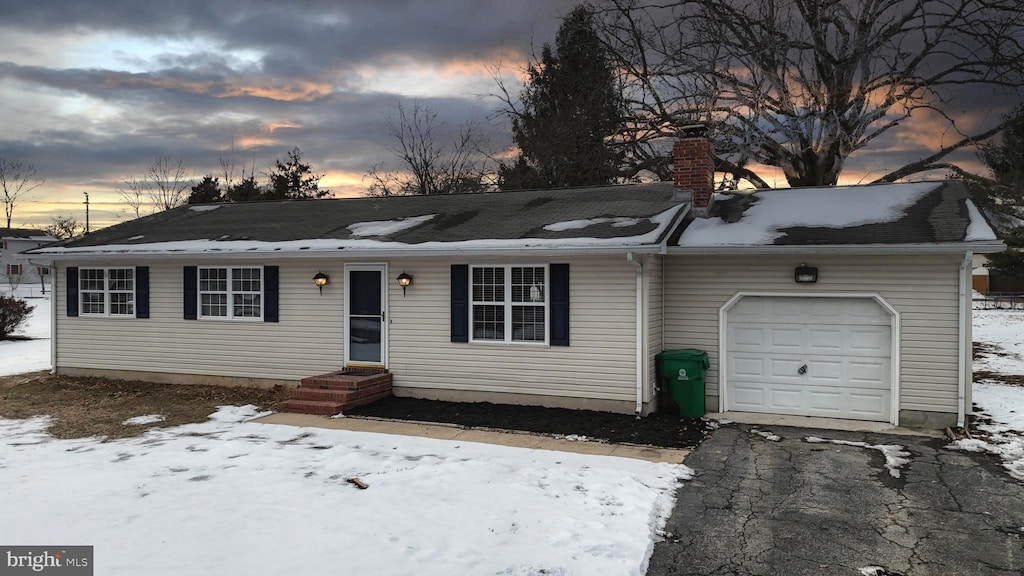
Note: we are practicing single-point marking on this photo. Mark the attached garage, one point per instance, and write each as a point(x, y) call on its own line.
point(827, 356)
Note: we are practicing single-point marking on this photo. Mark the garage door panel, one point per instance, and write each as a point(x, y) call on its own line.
point(845, 344)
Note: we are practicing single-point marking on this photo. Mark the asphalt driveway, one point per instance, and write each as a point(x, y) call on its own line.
point(793, 507)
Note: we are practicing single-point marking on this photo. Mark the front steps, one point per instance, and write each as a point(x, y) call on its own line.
point(329, 394)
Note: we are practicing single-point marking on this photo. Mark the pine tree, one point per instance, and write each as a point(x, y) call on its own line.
point(207, 191)
point(571, 106)
point(1004, 195)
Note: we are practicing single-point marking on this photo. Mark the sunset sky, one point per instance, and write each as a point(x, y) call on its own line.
point(93, 90)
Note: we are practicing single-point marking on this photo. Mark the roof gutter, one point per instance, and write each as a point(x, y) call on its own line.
point(874, 249)
point(343, 253)
point(639, 331)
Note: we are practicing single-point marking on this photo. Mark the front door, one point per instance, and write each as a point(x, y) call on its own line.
point(365, 309)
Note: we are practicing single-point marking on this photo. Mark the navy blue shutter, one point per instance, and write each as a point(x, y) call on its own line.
point(190, 292)
point(72, 291)
point(460, 303)
point(270, 293)
point(558, 309)
point(142, 291)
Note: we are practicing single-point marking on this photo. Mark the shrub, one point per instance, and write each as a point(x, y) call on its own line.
point(13, 313)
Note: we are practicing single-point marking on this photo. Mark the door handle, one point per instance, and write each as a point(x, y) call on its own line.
point(381, 315)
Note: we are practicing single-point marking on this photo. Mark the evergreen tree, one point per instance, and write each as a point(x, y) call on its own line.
point(571, 104)
point(207, 191)
point(294, 179)
point(1003, 196)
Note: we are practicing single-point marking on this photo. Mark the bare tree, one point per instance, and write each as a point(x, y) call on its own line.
point(64, 227)
point(803, 84)
point(16, 178)
point(428, 165)
point(165, 185)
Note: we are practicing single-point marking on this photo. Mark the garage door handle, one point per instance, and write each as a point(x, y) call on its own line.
point(802, 369)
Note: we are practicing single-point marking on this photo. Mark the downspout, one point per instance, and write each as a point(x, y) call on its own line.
point(639, 331)
point(963, 362)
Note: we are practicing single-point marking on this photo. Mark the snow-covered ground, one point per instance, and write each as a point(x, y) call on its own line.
point(18, 356)
point(236, 497)
point(1000, 402)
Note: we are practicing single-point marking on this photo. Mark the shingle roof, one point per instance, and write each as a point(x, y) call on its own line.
point(24, 233)
point(639, 214)
point(912, 213)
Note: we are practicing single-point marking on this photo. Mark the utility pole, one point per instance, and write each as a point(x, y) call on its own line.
point(86, 212)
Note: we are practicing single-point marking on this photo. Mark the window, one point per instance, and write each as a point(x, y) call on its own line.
point(107, 291)
point(230, 293)
point(14, 269)
point(43, 270)
point(509, 303)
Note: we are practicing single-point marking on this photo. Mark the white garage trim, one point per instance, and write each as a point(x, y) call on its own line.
point(723, 386)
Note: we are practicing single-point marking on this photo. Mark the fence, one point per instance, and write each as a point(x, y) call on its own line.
point(999, 301)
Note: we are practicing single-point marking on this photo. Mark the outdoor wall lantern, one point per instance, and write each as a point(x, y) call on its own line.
point(805, 274)
point(404, 280)
point(321, 280)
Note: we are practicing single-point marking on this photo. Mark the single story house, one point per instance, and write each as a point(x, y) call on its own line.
point(15, 269)
point(844, 302)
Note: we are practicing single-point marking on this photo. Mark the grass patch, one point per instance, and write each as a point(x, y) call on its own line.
point(84, 407)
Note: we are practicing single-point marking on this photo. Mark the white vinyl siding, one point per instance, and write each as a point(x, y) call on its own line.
point(307, 340)
point(600, 362)
point(653, 267)
point(923, 289)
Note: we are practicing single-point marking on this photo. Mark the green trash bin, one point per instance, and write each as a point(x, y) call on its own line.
point(683, 372)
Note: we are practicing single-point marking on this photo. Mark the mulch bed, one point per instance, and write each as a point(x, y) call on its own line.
point(662, 429)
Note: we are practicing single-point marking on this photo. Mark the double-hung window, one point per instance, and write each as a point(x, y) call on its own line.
point(233, 293)
point(509, 303)
point(107, 291)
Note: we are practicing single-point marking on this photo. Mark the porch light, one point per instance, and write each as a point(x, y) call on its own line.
point(805, 274)
point(404, 280)
point(321, 280)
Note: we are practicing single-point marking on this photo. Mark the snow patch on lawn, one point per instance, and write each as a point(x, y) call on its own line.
point(20, 356)
point(1003, 436)
point(433, 507)
point(1004, 330)
point(896, 456)
point(143, 420)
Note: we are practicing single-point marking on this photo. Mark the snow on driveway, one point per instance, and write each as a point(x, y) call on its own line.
point(235, 497)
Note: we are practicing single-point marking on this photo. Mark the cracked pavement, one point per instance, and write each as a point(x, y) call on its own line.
point(757, 507)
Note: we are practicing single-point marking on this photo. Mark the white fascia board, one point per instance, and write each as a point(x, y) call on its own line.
point(310, 254)
point(944, 248)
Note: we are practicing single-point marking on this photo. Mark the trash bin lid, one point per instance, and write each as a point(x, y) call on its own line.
point(684, 354)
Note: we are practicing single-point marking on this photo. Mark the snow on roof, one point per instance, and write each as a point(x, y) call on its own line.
point(833, 207)
point(978, 229)
point(581, 224)
point(660, 221)
point(386, 227)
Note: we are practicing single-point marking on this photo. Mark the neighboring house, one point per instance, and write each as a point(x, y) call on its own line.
point(15, 268)
point(845, 302)
point(979, 274)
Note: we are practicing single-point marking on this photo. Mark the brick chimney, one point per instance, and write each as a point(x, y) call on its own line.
point(693, 167)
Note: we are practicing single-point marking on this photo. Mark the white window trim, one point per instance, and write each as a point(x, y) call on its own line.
point(230, 295)
point(508, 305)
point(106, 292)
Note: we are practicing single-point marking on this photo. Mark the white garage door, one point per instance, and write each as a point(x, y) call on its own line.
point(809, 357)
